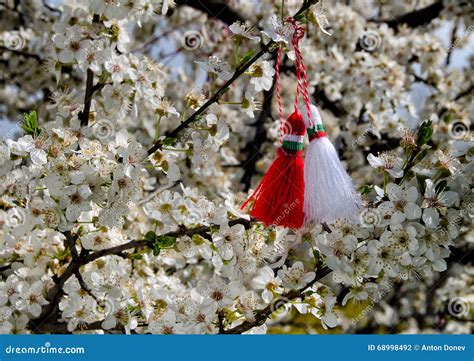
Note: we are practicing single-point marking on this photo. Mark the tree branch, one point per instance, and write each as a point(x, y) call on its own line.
point(416, 18)
point(464, 93)
point(56, 327)
point(5, 267)
point(468, 91)
point(216, 9)
point(84, 114)
point(453, 42)
point(22, 53)
point(78, 260)
point(240, 70)
point(83, 284)
point(263, 315)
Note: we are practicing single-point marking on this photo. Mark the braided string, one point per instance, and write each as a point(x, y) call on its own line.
point(278, 91)
point(301, 76)
point(302, 79)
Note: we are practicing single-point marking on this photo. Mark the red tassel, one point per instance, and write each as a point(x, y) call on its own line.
point(279, 198)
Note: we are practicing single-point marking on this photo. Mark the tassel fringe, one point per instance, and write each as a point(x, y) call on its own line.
point(279, 198)
point(329, 191)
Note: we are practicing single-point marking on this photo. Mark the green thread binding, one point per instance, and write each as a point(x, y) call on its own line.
point(316, 128)
point(292, 145)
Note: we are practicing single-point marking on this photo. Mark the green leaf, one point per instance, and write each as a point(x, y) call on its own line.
point(425, 133)
point(169, 141)
point(301, 17)
point(365, 189)
point(448, 117)
point(246, 57)
point(34, 119)
point(156, 250)
point(27, 129)
point(151, 236)
point(165, 241)
point(30, 125)
point(81, 230)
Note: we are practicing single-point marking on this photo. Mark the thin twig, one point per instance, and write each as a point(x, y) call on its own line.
point(22, 53)
point(263, 315)
point(5, 267)
point(417, 17)
point(83, 284)
point(453, 43)
point(56, 292)
point(240, 70)
point(84, 114)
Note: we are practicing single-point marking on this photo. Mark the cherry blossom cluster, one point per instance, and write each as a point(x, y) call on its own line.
point(98, 234)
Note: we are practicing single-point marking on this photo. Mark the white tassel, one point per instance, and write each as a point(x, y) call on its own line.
point(329, 191)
